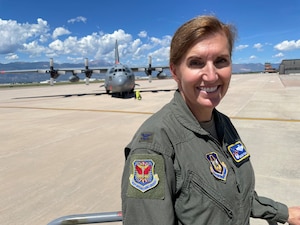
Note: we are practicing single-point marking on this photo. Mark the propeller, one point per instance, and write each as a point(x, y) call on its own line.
point(87, 71)
point(54, 73)
point(149, 70)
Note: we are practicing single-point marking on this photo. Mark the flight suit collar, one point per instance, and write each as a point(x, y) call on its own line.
point(184, 115)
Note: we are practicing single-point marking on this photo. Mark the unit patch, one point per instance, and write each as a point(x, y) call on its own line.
point(146, 177)
point(143, 177)
point(217, 168)
point(238, 152)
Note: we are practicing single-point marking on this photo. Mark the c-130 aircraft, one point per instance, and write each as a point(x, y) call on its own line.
point(119, 78)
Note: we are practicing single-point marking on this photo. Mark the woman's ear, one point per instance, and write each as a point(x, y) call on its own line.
point(174, 72)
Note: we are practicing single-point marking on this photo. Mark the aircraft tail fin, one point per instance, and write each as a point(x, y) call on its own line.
point(117, 59)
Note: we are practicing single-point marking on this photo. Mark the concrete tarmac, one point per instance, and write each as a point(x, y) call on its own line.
point(61, 147)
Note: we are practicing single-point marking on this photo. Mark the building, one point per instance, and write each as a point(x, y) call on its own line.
point(269, 68)
point(288, 66)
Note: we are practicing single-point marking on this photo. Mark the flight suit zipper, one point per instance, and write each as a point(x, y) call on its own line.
point(211, 195)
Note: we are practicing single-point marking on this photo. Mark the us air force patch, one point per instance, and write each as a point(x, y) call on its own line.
point(147, 177)
point(143, 177)
point(217, 168)
point(238, 152)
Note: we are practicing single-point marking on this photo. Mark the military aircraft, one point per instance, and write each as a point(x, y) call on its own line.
point(119, 78)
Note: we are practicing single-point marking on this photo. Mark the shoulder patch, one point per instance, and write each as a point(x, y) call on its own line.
point(143, 177)
point(147, 176)
point(238, 152)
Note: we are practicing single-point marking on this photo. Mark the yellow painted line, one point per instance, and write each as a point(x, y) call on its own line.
point(265, 119)
point(72, 109)
point(147, 113)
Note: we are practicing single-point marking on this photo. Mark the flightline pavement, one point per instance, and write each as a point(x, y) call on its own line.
point(62, 146)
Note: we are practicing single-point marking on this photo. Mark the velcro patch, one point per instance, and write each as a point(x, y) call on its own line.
point(238, 152)
point(147, 176)
point(217, 168)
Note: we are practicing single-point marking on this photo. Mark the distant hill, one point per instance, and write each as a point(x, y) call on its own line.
point(29, 78)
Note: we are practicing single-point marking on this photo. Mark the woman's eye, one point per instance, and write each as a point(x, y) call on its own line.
point(196, 63)
point(222, 62)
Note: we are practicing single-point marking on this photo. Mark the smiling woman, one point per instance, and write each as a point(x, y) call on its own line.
point(187, 164)
point(203, 75)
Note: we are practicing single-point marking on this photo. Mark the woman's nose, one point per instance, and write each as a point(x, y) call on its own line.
point(209, 73)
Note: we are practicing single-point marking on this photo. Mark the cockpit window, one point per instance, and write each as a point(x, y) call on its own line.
point(111, 70)
point(120, 69)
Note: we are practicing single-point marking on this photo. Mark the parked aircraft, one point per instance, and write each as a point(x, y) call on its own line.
point(119, 78)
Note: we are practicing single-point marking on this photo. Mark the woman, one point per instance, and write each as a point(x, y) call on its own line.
point(187, 164)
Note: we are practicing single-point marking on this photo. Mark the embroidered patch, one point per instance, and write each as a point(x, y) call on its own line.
point(217, 168)
point(143, 177)
point(153, 178)
point(146, 137)
point(238, 152)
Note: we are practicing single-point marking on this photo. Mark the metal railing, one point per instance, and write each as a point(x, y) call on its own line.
point(96, 218)
point(88, 218)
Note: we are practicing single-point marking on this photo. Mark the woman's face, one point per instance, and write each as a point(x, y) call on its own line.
point(204, 73)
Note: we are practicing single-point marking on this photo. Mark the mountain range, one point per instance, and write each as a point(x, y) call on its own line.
point(34, 77)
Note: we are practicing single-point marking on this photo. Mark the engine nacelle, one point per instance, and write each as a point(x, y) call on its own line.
point(74, 78)
point(161, 75)
point(54, 74)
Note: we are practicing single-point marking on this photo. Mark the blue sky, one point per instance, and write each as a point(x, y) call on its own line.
point(69, 31)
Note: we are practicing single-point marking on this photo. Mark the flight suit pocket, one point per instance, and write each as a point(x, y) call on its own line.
point(199, 203)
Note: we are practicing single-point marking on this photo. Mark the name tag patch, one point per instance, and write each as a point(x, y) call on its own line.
point(238, 152)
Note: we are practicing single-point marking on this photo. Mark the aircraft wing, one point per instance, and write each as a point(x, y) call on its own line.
point(80, 70)
point(148, 70)
point(155, 68)
point(19, 71)
point(54, 73)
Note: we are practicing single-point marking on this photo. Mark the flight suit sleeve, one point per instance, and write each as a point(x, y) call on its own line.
point(147, 184)
point(268, 209)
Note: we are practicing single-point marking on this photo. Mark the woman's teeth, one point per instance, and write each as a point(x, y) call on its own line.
point(208, 89)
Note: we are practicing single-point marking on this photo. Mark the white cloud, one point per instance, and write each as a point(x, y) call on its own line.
point(59, 31)
point(33, 48)
point(252, 57)
point(34, 41)
point(279, 55)
point(143, 34)
point(57, 45)
point(12, 57)
point(78, 19)
point(241, 47)
point(161, 55)
point(288, 45)
point(14, 35)
point(258, 46)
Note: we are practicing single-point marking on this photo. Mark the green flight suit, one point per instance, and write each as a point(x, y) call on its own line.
point(177, 173)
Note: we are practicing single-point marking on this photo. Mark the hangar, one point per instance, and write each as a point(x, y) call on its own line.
point(288, 66)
